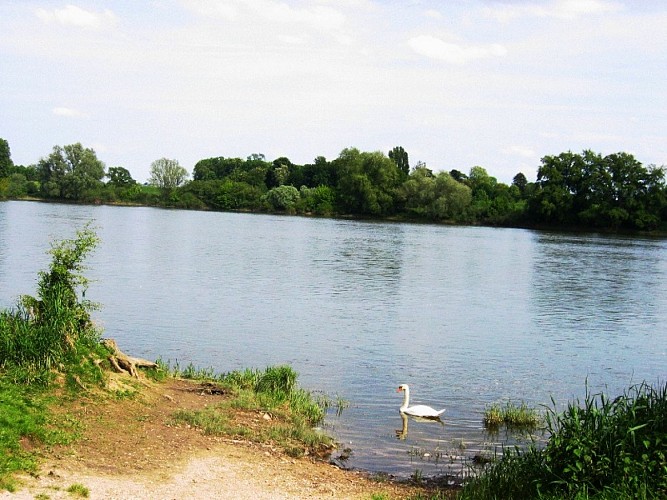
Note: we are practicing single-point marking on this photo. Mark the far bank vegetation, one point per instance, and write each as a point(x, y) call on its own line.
point(584, 190)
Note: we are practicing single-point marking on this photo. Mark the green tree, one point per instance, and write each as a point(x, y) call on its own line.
point(120, 177)
point(400, 157)
point(18, 186)
point(436, 197)
point(319, 173)
point(318, 200)
point(279, 172)
point(458, 176)
point(216, 168)
point(366, 182)
point(614, 191)
point(167, 174)
point(6, 163)
point(69, 172)
point(520, 182)
point(282, 198)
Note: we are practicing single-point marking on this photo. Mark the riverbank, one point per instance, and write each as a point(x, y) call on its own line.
point(131, 447)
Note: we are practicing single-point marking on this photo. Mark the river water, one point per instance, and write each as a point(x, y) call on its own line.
point(467, 316)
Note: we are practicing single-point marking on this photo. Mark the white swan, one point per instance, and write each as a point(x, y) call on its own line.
point(417, 410)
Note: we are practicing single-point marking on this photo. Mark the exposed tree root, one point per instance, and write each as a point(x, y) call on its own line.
point(122, 363)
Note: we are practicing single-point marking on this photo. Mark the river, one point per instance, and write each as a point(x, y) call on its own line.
point(467, 316)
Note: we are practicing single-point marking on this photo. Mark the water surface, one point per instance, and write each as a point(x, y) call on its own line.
point(467, 316)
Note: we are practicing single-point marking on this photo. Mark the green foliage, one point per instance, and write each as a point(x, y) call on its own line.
point(120, 177)
point(366, 182)
point(282, 198)
point(400, 157)
point(18, 186)
point(54, 330)
point(6, 163)
point(319, 200)
point(70, 172)
point(167, 174)
point(614, 191)
point(434, 197)
point(587, 190)
point(602, 448)
point(4, 185)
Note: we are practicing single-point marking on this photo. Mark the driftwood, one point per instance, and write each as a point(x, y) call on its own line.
point(122, 363)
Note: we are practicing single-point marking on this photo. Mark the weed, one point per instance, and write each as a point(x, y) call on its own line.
point(79, 489)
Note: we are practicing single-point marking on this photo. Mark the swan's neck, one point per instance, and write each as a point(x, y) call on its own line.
point(406, 398)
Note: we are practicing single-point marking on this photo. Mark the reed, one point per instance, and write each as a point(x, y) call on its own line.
point(601, 447)
point(512, 415)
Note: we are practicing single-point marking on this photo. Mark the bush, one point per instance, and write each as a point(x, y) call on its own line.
point(54, 330)
point(282, 198)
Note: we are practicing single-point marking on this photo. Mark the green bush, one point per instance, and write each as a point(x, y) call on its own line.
point(52, 331)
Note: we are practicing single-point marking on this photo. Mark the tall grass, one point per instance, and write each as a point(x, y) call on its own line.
point(601, 448)
point(512, 415)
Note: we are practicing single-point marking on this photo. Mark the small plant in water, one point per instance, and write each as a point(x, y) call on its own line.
point(514, 416)
point(417, 476)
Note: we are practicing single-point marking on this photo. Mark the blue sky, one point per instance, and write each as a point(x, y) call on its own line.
point(460, 83)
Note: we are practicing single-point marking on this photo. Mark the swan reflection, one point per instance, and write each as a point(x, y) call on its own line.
point(403, 432)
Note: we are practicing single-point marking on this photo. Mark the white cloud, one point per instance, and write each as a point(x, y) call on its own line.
point(561, 9)
point(435, 48)
point(209, 9)
point(71, 15)
point(291, 39)
point(433, 14)
point(521, 151)
point(68, 112)
point(317, 17)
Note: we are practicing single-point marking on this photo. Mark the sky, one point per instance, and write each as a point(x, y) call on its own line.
point(457, 83)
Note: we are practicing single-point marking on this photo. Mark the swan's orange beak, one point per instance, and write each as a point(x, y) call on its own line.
point(399, 389)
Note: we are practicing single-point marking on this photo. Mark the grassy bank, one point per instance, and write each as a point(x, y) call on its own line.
point(294, 412)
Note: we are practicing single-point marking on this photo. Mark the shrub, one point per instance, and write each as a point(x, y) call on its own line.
point(54, 330)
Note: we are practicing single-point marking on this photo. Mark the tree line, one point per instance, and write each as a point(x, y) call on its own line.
point(574, 190)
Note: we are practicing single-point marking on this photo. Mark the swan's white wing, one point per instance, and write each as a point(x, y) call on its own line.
point(423, 411)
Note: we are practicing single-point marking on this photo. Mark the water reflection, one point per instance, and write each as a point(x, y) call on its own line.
point(402, 433)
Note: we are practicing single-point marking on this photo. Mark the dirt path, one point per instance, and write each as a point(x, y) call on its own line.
point(130, 448)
